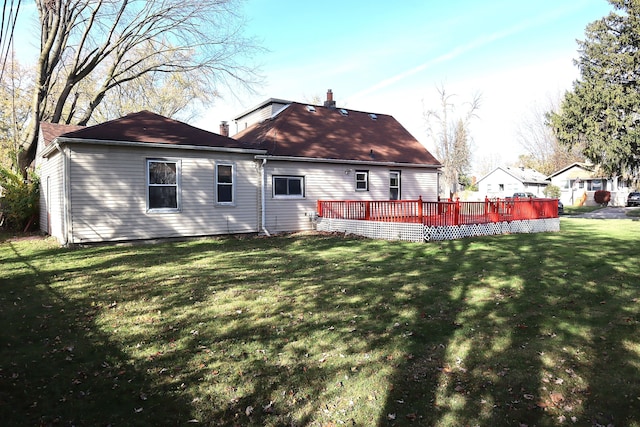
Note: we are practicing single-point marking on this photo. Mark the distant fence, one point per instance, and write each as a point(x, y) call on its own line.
point(419, 220)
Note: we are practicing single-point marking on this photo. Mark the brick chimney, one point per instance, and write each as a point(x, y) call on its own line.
point(330, 103)
point(224, 128)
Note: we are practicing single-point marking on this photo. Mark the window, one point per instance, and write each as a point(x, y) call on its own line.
point(362, 180)
point(288, 186)
point(225, 177)
point(163, 185)
point(394, 185)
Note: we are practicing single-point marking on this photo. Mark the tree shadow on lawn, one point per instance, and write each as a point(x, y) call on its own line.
point(56, 366)
point(544, 333)
point(295, 331)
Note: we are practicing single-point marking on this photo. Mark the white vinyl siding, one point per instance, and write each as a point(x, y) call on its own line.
point(51, 171)
point(326, 181)
point(109, 185)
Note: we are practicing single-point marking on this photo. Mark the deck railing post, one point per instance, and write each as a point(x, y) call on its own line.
point(420, 210)
point(367, 210)
point(319, 208)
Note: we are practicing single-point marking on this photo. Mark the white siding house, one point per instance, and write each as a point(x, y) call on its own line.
point(145, 176)
point(107, 190)
point(578, 183)
point(505, 181)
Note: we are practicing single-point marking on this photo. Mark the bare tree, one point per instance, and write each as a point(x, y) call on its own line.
point(121, 41)
point(452, 139)
point(544, 151)
point(16, 82)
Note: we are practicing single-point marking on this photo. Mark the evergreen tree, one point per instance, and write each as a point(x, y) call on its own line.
point(602, 112)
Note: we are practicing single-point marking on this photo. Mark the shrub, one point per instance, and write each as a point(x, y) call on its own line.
point(20, 199)
point(602, 197)
point(552, 191)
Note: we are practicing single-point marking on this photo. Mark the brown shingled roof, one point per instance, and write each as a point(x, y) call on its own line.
point(51, 131)
point(326, 133)
point(148, 127)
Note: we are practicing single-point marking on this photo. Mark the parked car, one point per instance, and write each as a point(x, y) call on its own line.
point(560, 207)
point(633, 199)
point(523, 195)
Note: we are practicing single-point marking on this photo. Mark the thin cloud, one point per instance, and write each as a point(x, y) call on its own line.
point(461, 50)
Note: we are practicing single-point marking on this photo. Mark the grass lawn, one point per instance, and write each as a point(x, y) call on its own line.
point(514, 330)
point(577, 210)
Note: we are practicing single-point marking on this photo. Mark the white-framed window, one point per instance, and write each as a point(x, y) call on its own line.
point(291, 187)
point(163, 185)
point(362, 180)
point(394, 185)
point(225, 184)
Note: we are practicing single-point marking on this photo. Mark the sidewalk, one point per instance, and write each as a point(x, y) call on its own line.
point(610, 212)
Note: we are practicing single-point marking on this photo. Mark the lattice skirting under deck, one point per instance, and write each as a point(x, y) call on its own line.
point(422, 233)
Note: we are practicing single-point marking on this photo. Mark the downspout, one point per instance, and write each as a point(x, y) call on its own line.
point(263, 198)
point(66, 182)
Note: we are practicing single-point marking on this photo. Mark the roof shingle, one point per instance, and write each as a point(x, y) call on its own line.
point(148, 127)
point(326, 133)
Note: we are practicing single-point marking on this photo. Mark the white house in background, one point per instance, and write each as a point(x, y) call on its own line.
point(505, 181)
point(145, 176)
point(578, 183)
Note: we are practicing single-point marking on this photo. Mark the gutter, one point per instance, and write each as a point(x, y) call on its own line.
point(350, 162)
point(263, 198)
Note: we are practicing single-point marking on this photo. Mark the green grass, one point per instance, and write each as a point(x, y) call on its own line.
point(536, 329)
point(577, 210)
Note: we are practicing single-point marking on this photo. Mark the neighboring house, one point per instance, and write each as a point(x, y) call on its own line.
point(578, 183)
point(505, 181)
point(145, 176)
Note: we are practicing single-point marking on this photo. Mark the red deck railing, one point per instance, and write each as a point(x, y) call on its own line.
point(439, 213)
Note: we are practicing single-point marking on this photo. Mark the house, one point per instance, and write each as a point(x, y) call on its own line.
point(505, 181)
point(145, 176)
point(578, 183)
point(328, 153)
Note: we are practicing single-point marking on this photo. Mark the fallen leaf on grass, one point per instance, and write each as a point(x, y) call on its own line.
point(556, 398)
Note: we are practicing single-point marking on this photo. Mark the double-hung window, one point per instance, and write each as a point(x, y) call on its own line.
point(362, 180)
point(163, 185)
point(288, 187)
point(394, 185)
point(225, 184)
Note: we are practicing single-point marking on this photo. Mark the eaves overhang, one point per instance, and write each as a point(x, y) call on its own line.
point(63, 140)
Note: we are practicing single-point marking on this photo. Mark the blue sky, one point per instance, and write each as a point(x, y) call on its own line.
point(390, 57)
